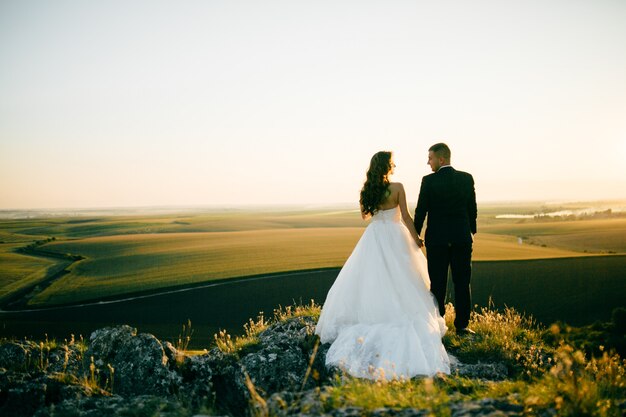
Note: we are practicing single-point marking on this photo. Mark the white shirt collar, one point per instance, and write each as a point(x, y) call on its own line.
point(445, 166)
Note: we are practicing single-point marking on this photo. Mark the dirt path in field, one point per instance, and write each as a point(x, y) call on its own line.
point(18, 300)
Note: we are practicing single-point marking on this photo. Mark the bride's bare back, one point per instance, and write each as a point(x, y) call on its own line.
point(397, 197)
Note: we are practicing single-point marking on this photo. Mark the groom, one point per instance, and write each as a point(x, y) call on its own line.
point(449, 199)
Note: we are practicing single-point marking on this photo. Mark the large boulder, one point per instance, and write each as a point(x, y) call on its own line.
point(140, 365)
point(287, 348)
point(197, 386)
point(277, 362)
point(228, 382)
point(14, 355)
point(65, 358)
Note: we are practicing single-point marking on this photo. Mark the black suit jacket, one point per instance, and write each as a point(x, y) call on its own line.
point(449, 198)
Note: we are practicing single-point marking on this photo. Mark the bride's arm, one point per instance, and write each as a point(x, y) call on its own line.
point(406, 217)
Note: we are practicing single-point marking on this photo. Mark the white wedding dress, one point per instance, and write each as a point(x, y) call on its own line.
point(379, 313)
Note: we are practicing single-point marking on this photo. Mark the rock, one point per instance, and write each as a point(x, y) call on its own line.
point(13, 356)
point(347, 412)
point(28, 356)
point(171, 353)
point(288, 332)
point(116, 406)
point(286, 350)
point(140, 365)
point(278, 362)
point(486, 407)
point(228, 382)
point(22, 394)
point(265, 365)
point(65, 359)
point(288, 403)
point(197, 386)
point(400, 412)
point(486, 371)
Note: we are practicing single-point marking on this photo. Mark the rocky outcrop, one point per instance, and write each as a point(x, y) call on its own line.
point(196, 386)
point(278, 362)
point(134, 364)
point(139, 369)
point(125, 373)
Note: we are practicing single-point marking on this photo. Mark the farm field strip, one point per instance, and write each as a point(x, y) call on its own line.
point(551, 227)
point(204, 222)
point(130, 263)
point(599, 236)
point(121, 264)
point(130, 254)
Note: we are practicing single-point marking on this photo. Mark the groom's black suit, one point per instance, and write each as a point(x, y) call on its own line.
point(449, 198)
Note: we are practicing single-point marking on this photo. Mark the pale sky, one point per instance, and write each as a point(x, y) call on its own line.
point(138, 103)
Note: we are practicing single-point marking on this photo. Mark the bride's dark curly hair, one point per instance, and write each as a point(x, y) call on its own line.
point(374, 190)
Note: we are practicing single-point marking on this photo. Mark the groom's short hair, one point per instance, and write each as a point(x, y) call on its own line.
point(441, 150)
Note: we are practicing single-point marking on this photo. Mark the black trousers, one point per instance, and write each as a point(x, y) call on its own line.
point(457, 257)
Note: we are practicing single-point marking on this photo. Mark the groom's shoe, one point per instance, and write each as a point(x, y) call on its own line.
point(465, 332)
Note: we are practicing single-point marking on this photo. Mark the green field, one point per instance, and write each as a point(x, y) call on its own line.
point(134, 253)
point(130, 263)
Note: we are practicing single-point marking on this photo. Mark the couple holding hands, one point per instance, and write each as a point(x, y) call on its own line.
point(384, 312)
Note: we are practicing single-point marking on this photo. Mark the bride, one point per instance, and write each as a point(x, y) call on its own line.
point(379, 313)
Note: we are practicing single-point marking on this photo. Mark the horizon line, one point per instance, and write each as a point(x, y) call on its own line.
point(293, 205)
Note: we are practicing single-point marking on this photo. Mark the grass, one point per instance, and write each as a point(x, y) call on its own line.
point(502, 336)
point(559, 378)
point(572, 386)
point(38, 358)
point(595, 338)
point(420, 394)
